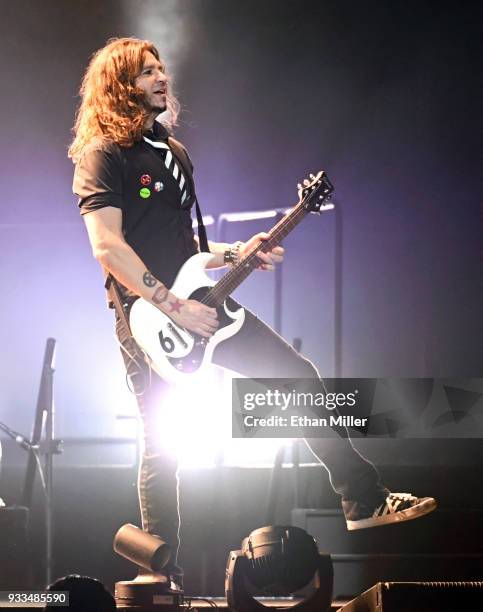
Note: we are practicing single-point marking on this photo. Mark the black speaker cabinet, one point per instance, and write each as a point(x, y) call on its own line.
point(15, 556)
point(419, 597)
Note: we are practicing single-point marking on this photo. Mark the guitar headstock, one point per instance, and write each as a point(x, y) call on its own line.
point(315, 191)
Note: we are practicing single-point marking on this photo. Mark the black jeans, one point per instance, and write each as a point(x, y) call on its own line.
point(256, 351)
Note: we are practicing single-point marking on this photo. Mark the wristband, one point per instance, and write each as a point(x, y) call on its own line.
point(232, 255)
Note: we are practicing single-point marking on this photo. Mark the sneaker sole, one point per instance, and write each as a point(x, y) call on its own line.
point(425, 507)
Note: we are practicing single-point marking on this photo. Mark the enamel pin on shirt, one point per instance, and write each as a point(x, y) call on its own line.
point(172, 165)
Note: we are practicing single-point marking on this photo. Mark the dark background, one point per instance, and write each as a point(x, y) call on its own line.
point(386, 97)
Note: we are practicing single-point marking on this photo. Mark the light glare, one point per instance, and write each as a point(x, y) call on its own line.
point(195, 425)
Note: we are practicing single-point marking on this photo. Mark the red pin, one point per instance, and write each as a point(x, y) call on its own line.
point(145, 179)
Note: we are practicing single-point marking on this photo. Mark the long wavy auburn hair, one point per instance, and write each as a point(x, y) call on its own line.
point(112, 107)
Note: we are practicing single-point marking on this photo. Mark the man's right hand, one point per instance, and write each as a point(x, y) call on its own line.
point(195, 317)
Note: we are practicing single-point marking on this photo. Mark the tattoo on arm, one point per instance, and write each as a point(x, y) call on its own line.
point(148, 279)
point(175, 306)
point(160, 295)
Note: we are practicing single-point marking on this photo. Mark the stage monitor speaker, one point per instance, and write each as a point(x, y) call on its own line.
point(419, 597)
point(15, 555)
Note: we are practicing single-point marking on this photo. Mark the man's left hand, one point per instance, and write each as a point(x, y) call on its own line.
point(267, 259)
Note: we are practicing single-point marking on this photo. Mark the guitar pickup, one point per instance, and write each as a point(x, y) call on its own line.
point(177, 335)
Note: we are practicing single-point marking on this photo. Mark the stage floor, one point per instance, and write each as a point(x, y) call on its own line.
point(269, 602)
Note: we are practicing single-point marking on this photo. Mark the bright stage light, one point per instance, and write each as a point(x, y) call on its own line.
point(195, 425)
point(192, 420)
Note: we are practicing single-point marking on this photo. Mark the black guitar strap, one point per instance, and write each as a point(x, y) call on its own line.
point(134, 357)
point(115, 297)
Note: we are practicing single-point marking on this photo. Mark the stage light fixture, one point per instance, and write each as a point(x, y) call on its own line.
point(278, 560)
point(151, 587)
point(142, 548)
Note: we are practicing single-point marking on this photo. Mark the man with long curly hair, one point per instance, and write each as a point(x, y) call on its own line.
point(136, 192)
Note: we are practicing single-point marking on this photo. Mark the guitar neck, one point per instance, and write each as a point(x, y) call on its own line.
point(232, 279)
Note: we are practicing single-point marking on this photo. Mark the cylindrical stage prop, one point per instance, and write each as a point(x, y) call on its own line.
point(142, 548)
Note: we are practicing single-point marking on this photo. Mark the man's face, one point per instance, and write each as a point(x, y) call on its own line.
point(153, 82)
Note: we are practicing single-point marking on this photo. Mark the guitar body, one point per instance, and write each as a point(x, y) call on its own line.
point(175, 353)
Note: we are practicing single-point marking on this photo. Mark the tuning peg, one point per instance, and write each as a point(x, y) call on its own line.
point(306, 182)
point(299, 185)
point(312, 176)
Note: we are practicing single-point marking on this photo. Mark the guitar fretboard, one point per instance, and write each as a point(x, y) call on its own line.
point(232, 279)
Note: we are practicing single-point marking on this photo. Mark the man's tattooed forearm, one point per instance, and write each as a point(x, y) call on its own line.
point(160, 295)
point(148, 279)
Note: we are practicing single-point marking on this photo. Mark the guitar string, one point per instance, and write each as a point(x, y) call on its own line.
point(247, 262)
point(275, 235)
point(286, 222)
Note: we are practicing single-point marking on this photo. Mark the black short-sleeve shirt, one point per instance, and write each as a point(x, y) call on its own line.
point(137, 181)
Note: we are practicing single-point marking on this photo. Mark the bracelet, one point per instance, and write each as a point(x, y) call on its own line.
point(232, 255)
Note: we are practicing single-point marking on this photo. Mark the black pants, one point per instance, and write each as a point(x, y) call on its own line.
point(256, 351)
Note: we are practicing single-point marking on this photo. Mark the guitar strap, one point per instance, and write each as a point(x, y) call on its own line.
point(115, 297)
point(133, 354)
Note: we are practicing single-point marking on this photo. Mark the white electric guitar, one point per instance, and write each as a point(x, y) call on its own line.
point(176, 353)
